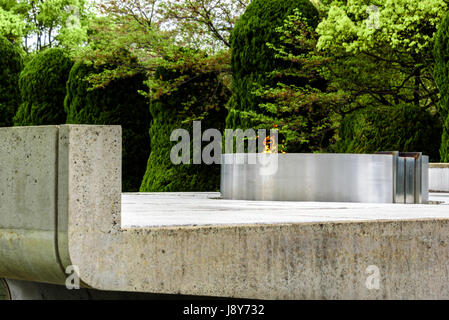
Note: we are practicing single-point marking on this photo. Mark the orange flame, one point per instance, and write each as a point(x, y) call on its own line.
point(270, 145)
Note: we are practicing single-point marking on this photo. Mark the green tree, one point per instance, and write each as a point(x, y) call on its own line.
point(117, 103)
point(382, 52)
point(205, 24)
point(252, 59)
point(297, 99)
point(201, 98)
point(385, 128)
point(441, 52)
point(383, 49)
point(12, 25)
point(137, 26)
point(199, 24)
point(43, 24)
point(42, 85)
point(184, 85)
point(10, 67)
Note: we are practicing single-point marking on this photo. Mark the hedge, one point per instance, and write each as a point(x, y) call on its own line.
point(203, 95)
point(404, 128)
point(11, 64)
point(42, 86)
point(119, 103)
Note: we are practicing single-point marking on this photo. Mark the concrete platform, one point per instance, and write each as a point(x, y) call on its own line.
point(61, 205)
point(146, 210)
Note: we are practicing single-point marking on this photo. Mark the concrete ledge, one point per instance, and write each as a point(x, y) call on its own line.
point(79, 223)
point(439, 177)
point(439, 165)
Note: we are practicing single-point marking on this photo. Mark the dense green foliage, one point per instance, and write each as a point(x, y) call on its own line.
point(382, 52)
point(10, 66)
point(252, 59)
point(43, 24)
point(357, 76)
point(118, 103)
point(383, 49)
point(42, 86)
point(202, 97)
point(298, 101)
point(441, 75)
point(404, 128)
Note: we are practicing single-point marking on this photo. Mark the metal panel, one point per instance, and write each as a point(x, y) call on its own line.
point(312, 177)
point(409, 180)
point(425, 179)
point(226, 176)
point(417, 177)
point(400, 180)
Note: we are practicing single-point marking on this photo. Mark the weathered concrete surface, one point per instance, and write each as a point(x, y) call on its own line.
point(326, 260)
point(27, 290)
point(4, 290)
point(325, 254)
point(28, 180)
point(439, 177)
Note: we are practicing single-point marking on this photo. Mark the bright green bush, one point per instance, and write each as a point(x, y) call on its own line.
point(202, 95)
point(252, 59)
point(42, 86)
point(119, 103)
point(11, 65)
point(441, 76)
point(404, 128)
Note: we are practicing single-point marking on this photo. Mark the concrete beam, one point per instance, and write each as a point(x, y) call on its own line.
point(296, 251)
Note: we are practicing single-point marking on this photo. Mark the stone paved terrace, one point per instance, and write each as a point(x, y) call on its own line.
point(145, 210)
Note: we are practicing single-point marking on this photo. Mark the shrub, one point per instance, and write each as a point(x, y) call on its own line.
point(252, 59)
point(118, 103)
point(11, 65)
point(42, 86)
point(404, 128)
point(201, 97)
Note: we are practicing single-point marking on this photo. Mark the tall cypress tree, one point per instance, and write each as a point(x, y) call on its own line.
point(42, 86)
point(118, 103)
point(11, 65)
point(441, 75)
point(203, 94)
point(252, 59)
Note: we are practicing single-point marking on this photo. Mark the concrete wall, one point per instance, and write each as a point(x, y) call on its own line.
point(439, 177)
point(27, 290)
point(60, 190)
point(34, 192)
point(278, 261)
point(28, 213)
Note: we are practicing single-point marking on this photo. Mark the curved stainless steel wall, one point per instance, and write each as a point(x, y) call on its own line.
point(367, 178)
